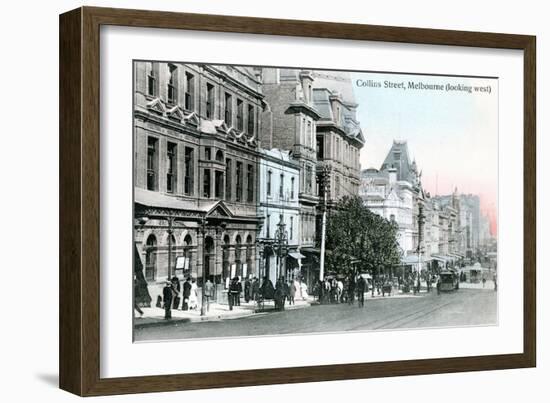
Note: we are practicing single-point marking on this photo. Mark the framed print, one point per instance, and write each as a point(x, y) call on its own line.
point(273, 201)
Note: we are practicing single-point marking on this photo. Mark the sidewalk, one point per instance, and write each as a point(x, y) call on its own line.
point(155, 316)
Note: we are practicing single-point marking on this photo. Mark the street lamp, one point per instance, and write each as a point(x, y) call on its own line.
point(282, 241)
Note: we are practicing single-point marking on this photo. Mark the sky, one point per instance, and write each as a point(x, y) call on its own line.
point(451, 133)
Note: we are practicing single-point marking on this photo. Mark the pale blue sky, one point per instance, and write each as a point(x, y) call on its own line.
point(453, 135)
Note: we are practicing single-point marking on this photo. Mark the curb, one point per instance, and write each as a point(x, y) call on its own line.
point(217, 318)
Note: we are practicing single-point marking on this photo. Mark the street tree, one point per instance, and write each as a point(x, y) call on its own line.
point(357, 236)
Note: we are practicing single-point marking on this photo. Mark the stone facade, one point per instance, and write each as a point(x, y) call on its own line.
point(289, 94)
point(195, 169)
point(279, 238)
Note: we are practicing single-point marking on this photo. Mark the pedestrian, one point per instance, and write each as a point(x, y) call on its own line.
point(483, 280)
point(167, 299)
point(255, 289)
point(238, 296)
point(186, 294)
point(194, 295)
point(351, 291)
point(495, 281)
point(361, 285)
point(176, 289)
point(340, 291)
point(267, 290)
point(233, 292)
point(208, 293)
point(136, 291)
point(279, 296)
point(438, 285)
point(247, 287)
point(291, 292)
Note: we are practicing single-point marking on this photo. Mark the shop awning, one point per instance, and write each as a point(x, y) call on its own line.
point(296, 255)
point(311, 250)
point(443, 258)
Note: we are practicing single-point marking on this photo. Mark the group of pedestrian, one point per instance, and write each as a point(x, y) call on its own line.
point(175, 293)
point(335, 291)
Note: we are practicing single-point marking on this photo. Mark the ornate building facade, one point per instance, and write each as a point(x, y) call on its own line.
point(339, 137)
point(195, 170)
point(279, 238)
point(289, 94)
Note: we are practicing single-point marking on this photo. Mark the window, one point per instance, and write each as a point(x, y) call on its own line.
point(309, 140)
point(240, 123)
point(189, 91)
point(152, 149)
point(291, 228)
point(207, 153)
point(219, 156)
point(309, 179)
point(239, 193)
point(292, 187)
point(250, 183)
point(206, 183)
point(189, 171)
point(228, 175)
point(320, 148)
point(269, 183)
point(172, 89)
point(250, 119)
point(219, 184)
point(281, 186)
point(337, 186)
point(268, 226)
point(209, 101)
point(171, 170)
point(151, 80)
point(151, 258)
point(228, 109)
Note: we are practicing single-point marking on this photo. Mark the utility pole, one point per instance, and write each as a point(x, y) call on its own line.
point(421, 218)
point(324, 223)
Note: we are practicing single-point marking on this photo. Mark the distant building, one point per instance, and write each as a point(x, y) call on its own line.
point(392, 193)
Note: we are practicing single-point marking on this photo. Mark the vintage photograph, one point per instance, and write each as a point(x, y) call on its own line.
point(277, 201)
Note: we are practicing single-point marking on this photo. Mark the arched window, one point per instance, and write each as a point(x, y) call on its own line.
point(219, 156)
point(187, 243)
point(249, 255)
point(151, 258)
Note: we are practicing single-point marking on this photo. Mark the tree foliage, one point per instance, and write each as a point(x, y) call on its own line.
point(354, 233)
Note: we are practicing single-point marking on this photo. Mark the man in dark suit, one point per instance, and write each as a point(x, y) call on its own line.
point(186, 294)
point(167, 299)
point(361, 285)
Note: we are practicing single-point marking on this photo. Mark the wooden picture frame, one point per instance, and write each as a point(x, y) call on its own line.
point(79, 348)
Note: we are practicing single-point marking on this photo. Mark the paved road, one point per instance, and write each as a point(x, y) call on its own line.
point(465, 307)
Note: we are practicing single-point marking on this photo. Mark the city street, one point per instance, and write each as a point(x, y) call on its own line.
point(465, 307)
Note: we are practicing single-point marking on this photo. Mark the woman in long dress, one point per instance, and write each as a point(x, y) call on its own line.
point(193, 297)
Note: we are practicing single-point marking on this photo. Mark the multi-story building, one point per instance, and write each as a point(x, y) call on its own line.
point(195, 170)
point(393, 193)
point(293, 118)
point(339, 137)
point(279, 238)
